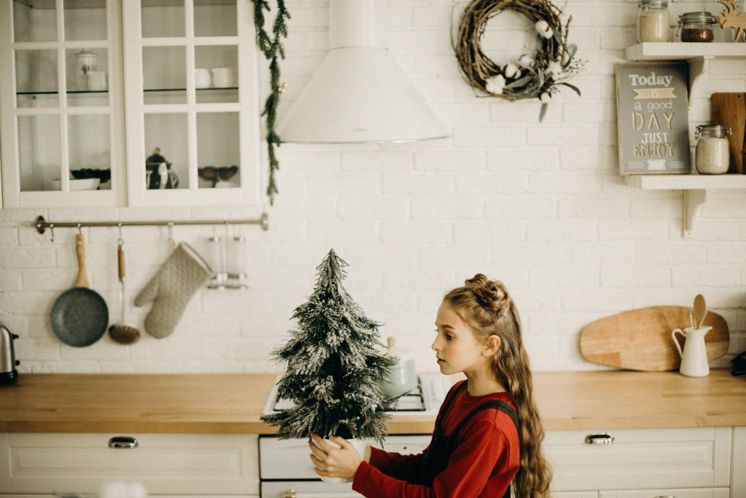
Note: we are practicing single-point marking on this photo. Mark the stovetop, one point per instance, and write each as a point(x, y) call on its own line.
point(424, 400)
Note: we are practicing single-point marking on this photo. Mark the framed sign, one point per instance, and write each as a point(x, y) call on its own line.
point(653, 117)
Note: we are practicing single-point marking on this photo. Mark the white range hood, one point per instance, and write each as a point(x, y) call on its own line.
point(359, 93)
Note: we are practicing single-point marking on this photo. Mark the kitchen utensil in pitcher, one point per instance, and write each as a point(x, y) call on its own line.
point(80, 315)
point(123, 333)
point(700, 310)
point(694, 361)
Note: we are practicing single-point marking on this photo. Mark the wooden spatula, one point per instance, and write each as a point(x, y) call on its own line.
point(699, 310)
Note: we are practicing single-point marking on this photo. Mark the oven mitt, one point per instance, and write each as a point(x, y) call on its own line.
point(171, 289)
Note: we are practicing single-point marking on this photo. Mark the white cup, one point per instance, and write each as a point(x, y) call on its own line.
point(222, 77)
point(202, 78)
point(97, 81)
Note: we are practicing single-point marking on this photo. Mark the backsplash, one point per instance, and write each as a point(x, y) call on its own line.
point(540, 206)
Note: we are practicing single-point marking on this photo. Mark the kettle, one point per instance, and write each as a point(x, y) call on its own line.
point(8, 362)
point(402, 377)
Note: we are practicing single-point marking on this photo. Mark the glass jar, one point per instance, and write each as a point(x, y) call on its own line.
point(653, 21)
point(712, 149)
point(696, 27)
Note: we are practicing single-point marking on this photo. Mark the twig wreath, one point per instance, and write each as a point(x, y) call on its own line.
point(530, 77)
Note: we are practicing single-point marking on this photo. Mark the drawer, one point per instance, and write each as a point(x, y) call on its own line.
point(640, 459)
point(676, 493)
point(173, 464)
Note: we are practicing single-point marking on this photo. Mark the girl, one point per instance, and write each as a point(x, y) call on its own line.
point(488, 432)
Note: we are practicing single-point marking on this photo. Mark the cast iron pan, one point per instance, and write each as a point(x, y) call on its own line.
point(80, 315)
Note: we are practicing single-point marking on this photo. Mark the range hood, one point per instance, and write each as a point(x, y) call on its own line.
point(359, 93)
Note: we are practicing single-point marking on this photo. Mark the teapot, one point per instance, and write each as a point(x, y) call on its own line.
point(694, 361)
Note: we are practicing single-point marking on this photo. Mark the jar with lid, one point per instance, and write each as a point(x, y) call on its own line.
point(712, 149)
point(653, 21)
point(696, 27)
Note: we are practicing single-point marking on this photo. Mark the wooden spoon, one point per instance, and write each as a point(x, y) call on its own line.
point(700, 310)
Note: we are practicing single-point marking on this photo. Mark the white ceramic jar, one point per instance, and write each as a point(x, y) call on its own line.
point(712, 149)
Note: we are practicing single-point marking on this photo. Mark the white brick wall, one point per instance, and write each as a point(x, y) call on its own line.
point(539, 206)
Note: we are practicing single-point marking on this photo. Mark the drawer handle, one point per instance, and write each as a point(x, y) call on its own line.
point(599, 438)
point(292, 494)
point(122, 442)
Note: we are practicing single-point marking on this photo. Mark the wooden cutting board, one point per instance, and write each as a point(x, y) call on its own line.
point(641, 339)
point(729, 109)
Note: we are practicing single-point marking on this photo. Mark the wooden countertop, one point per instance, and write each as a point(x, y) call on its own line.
point(232, 404)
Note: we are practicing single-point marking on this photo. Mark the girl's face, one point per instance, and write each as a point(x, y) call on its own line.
point(456, 346)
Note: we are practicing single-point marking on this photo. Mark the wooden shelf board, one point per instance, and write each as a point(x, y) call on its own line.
point(687, 182)
point(684, 51)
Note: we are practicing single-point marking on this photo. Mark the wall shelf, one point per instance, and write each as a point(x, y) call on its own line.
point(695, 189)
point(697, 55)
point(673, 51)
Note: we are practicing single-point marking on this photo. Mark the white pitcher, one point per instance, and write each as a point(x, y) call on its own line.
point(694, 357)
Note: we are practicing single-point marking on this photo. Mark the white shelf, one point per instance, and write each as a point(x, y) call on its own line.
point(672, 51)
point(687, 182)
point(695, 189)
point(697, 55)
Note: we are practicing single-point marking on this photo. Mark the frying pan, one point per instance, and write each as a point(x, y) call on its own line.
point(80, 315)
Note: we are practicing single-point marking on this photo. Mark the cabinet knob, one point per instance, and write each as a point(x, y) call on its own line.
point(289, 494)
point(123, 442)
point(600, 438)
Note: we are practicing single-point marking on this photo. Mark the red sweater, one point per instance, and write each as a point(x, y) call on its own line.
point(483, 463)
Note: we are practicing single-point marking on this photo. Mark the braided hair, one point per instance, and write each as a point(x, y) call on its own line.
point(488, 308)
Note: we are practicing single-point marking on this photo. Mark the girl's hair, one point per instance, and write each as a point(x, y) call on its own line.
point(488, 309)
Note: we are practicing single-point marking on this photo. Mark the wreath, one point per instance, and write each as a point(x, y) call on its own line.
point(531, 76)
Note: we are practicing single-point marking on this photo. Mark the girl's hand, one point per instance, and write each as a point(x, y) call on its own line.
point(334, 462)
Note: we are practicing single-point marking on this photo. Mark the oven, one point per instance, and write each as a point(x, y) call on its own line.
point(286, 470)
point(285, 467)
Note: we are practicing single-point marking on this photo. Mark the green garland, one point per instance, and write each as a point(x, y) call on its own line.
point(273, 50)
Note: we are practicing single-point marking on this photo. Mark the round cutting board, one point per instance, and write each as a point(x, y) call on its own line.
point(641, 339)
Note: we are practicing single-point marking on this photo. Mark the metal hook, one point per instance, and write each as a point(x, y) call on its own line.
point(120, 242)
point(51, 231)
point(80, 230)
point(171, 234)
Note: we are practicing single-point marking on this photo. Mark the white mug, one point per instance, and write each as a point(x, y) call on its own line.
point(97, 81)
point(202, 78)
point(222, 77)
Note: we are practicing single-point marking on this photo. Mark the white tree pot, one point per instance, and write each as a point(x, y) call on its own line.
point(359, 445)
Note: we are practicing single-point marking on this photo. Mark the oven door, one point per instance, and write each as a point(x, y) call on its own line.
point(286, 470)
point(307, 489)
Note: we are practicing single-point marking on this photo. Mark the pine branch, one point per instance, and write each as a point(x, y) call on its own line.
point(273, 51)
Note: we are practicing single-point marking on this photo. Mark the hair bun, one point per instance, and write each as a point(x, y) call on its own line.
point(491, 294)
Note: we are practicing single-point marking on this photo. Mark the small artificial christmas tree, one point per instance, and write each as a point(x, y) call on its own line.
point(333, 367)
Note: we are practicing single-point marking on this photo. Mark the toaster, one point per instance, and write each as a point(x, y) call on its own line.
point(8, 362)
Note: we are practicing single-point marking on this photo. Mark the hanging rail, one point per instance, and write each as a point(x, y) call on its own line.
point(42, 224)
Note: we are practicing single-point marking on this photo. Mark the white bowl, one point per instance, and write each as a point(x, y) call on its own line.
point(81, 184)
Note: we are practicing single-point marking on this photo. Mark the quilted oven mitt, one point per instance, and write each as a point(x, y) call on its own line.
point(171, 289)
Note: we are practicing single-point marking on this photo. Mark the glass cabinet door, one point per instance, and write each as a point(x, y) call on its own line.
point(62, 112)
point(192, 108)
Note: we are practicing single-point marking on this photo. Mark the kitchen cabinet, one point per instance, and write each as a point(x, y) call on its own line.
point(675, 493)
point(695, 186)
point(738, 486)
point(189, 87)
point(186, 464)
point(191, 93)
point(59, 135)
point(640, 463)
point(640, 459)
